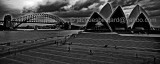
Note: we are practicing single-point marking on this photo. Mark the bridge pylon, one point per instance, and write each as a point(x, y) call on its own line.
point(7, 22)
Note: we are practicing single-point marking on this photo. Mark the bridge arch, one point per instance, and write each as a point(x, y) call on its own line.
point(28, 18)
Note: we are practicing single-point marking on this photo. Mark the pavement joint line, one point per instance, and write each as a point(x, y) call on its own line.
point(140, 35)
point(94, 55)
point(117, 40)
point(16, 60)
point(140, 48)
point(95, 49)
point(137, 48)
point(43, 58)
point(97, 52)
point(121, 49)
point(69, 57)
point(126, 47)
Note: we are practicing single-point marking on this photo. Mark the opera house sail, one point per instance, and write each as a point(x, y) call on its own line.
point(118, 20)
point(106, 11)
point(138, 20)
point(97, 23)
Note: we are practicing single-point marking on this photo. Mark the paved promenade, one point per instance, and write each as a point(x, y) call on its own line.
point(88, 48)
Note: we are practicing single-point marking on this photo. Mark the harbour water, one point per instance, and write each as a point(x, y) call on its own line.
point(11, 36)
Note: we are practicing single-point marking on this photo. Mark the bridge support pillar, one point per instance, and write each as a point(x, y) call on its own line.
point(7, 22)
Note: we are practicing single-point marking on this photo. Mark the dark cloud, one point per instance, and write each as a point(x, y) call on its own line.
point(152, 7)
point(85, 4)
point(154, 13)
point(123, 3)
point(57, 6)
point(149, 5)
point(3, 11)
point(86, 13)
point(157, 22)
point(155, 7)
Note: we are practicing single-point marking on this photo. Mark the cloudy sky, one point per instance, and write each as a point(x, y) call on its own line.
point(67, 8)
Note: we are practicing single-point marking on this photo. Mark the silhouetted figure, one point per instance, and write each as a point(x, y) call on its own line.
point(136, 55)
point(24, 41)
point(90, 52)
point(70, 43)
point(106, 46)
point(154, 60)
point(56, 42)
point(69, 49)
point(65, 40)
point(116, 47)
point(69, 25)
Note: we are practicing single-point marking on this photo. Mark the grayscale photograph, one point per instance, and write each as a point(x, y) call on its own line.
point(79, 31)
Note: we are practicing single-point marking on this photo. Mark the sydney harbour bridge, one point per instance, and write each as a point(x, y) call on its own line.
point(9, 23)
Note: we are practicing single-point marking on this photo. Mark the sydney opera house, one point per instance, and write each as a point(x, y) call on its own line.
point(115, 20)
